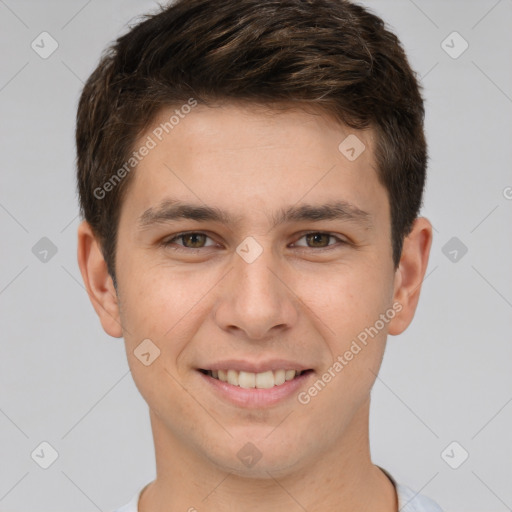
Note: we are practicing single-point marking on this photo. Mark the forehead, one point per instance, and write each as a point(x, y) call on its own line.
point(233, 122)
point(247, 157)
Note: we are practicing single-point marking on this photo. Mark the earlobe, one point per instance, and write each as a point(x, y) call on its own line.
point(410, 273)
point(98, 282)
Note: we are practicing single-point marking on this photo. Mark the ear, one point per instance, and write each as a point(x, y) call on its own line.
point(97, 280)
point(410, 274)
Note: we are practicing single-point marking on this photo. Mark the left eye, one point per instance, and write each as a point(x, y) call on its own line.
point(197, 240)
point(319, 240)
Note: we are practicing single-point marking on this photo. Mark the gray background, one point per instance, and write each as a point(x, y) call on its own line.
point(448, 378)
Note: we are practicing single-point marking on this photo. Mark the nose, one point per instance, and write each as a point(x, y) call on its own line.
point(256, 301)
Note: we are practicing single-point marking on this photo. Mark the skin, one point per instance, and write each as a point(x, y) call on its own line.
point(301, 299)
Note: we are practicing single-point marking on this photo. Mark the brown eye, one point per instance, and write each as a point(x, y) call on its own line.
point(192, 240)
point(318, 239)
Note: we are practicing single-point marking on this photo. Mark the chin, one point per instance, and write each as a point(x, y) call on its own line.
point(259, 457)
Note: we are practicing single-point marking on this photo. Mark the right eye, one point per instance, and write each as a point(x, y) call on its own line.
point(190, 240)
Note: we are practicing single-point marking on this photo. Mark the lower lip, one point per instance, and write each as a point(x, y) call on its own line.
point(254, 397)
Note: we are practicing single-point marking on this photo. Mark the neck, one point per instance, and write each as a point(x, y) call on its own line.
point(342, 479)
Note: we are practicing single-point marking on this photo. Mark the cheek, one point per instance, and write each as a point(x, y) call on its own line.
point(154, 296)
point(346, 300)
point(167, 307)
point(160, 387)
point(348, 307)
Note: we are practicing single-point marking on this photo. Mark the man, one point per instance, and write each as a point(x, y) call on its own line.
point(250, 174)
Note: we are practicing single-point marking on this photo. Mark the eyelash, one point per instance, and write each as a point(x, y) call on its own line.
point(169, 242)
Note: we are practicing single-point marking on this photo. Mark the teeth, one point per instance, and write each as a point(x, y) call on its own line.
point(265, 380)
point(289, 375)
point(279, 377)
point(246, 379)
point(249, 380)
point(233, 377)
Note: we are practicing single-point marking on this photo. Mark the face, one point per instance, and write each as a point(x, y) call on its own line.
point(250, 246)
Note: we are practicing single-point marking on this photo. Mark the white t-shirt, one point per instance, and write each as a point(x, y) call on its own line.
point(408, 500)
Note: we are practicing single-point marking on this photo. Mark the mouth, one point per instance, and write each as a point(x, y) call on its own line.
point(249, 380)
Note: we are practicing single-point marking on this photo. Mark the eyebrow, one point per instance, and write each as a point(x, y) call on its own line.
point(173, 209)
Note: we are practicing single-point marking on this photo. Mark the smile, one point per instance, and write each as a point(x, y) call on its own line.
point(250, 380)
point(255, 384)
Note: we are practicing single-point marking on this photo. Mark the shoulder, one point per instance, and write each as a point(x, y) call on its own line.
point(132, 506)
point(410, 501)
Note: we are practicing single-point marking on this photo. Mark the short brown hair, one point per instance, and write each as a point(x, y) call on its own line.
point(333, 55)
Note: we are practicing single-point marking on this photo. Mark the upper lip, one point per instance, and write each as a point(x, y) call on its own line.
point(255, 367)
